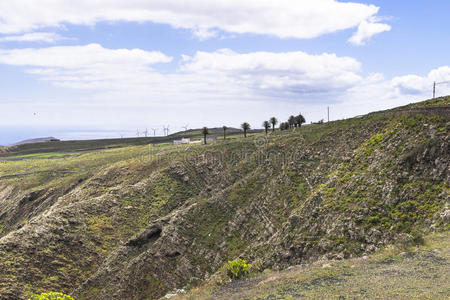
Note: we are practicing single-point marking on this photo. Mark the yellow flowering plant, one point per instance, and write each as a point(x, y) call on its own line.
point(51, 296)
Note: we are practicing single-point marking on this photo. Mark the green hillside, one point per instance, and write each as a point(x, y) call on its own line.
point(137, 221)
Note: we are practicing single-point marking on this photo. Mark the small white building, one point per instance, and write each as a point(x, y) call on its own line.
point(183, 141)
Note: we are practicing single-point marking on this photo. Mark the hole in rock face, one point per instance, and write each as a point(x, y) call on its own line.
point(150, 235)
point(153, 234)
point(173, 254)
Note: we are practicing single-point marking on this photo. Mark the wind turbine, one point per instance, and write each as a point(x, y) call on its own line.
point(154, 131)
point(145, 132)
point(137, 132)
point(166, 130)
point(185, 127)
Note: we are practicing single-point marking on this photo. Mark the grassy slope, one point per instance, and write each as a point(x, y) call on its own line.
point(64, 221)
point(393, 273)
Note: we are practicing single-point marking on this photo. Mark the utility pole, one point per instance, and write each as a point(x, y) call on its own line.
point(437, 83)
point(434, 89)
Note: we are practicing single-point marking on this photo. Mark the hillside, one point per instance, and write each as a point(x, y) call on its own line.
point(138, 221)
point(38, 146)
point(397, 272)
point(37, 140)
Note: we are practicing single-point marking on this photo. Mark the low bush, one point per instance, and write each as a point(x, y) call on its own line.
point(51, 296)
point(413, 239)
point(237, 268)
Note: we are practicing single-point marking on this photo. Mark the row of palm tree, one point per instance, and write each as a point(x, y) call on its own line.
point(293, 121)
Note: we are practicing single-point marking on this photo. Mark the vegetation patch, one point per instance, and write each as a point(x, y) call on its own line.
point(51, 296)
point(237, 269)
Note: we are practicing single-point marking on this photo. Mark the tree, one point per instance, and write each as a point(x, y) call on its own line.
point(245, 126)
point(205, 132)
point(284, 126)
point(299, 120)
point(274, 122)
point(291, 121)
point(224, 131)
point(266, 125)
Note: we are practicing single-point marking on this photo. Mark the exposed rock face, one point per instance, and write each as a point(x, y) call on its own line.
point(139, 228)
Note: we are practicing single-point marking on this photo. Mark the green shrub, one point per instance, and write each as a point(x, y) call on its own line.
point(237, 268)
point(374, 220)
point(51, 296)
point(417, 238)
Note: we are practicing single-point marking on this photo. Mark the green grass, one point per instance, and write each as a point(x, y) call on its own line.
point(41, 155)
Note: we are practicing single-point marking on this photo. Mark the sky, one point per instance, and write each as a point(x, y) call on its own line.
point(109, 68)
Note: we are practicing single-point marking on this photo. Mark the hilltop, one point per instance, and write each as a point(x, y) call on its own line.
point(137, 221)
point(36, 140)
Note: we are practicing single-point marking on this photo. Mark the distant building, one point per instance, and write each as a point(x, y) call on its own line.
point(182, 141)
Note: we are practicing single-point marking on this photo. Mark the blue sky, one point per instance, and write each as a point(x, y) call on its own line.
point(95, 70)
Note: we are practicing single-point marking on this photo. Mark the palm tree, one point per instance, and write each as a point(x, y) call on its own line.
point(291, 121)
point(205, 132)
point(266, 126)
point(274, 122)
point(245, 126)
point(224, 131)
point(299, 120)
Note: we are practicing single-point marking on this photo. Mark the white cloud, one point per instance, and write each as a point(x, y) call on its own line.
point(282, 73)
point(366, 30)
point(90, 66)
point(418, 85)
point(73, 57)
point(281, 18)
point(47, 37)
point(258, 73)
